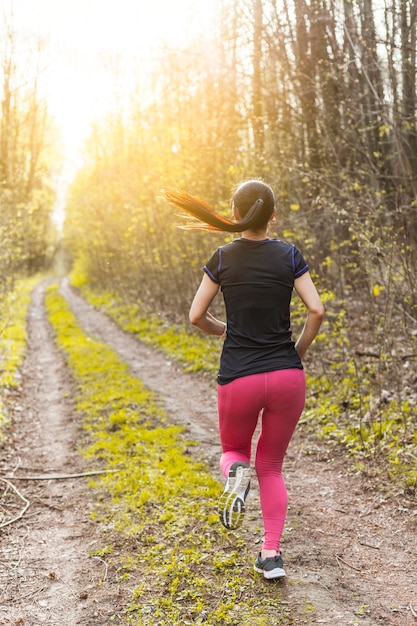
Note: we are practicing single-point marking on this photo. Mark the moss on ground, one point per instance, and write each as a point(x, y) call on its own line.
point(13, 339)
point(344, 403)
point(196, 352)
point(157, 510)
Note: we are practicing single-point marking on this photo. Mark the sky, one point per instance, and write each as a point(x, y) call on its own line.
point(83, 36)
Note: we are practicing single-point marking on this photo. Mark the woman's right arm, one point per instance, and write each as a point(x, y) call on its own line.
point(199, 314)
point(305, 288)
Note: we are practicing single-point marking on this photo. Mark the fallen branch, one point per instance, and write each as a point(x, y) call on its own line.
point(377, 355)
point(60, 476)
point(105, 567)
point(29, 594)
point(369, 545)
point(339, 558)
point(25, 500)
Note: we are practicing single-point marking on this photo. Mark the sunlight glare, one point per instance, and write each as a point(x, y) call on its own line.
point(84, 35)
point(83, 39)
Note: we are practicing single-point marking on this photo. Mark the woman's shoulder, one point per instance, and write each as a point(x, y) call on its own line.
point(230, 245)
point(282, 246)
point(243, 245)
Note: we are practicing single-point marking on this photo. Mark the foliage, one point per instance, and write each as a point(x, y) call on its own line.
point(318, 99)
point(196, 353)
point(157, 508)
point(273, 99)
point(13, 310)
point(28, 157)
point(346, 404)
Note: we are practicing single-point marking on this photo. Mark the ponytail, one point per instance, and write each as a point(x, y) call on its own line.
point(200, 210)
point(256, 217)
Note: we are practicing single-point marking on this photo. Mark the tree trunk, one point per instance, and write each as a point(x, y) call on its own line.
point(257, 106)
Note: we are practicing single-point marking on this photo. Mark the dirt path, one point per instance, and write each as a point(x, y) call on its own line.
point(350, 551)
point(46, 575)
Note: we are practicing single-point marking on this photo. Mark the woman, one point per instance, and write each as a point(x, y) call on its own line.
point(261, 374)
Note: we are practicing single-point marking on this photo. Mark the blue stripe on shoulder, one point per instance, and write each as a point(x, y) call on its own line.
point(303, 270)
point(209, 274)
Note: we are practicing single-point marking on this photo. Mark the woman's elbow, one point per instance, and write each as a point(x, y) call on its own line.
point(316, 311)
point(319, 312)
point(194, 318)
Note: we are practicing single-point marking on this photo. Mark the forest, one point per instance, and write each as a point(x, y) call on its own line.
point(316, 97)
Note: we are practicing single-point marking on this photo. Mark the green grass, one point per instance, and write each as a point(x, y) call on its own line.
point(13, 310)
point(196, 352)
point(157, 512)
point(340, 391)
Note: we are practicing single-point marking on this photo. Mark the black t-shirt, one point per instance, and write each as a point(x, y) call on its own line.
point(257, 280)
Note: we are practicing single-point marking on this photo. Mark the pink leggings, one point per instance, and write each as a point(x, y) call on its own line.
point(279, 397)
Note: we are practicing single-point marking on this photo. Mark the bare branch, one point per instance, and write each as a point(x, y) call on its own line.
point(61, 476)
point(25, 500)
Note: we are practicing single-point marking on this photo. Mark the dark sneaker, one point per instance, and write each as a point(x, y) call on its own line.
point(271, 567)
point(231, 505)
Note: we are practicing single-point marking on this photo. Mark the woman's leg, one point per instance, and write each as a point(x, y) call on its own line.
point(239, 404)
point(284, 403)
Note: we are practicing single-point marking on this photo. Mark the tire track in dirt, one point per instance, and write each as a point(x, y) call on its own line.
point(46, 574)
point(350, 550)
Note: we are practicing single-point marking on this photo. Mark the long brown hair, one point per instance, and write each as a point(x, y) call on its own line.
point(253, 200)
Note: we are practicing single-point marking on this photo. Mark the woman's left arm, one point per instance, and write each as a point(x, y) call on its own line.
point(199, 314)
point(305, 288)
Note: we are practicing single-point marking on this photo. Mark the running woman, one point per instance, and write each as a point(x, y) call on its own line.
point(261, 375)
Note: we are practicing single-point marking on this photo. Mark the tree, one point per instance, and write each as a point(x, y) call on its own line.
point(26, 196)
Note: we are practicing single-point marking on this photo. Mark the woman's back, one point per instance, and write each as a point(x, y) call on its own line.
point(257, 280)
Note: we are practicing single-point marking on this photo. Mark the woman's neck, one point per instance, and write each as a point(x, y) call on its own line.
point(255, 235)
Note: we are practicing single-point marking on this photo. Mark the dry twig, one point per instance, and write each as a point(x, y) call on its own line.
point(369, 545)
point(105, 567)
point(339, 558)
point(25, 500)
point(60, 476)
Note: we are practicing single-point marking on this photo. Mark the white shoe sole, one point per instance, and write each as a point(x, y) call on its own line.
point(232, 501)
point(278, 572)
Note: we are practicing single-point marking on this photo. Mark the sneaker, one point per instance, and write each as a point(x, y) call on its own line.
point(231, 505)
point(271, 567)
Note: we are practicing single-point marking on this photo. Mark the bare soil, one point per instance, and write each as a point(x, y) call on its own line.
point(350, 543)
